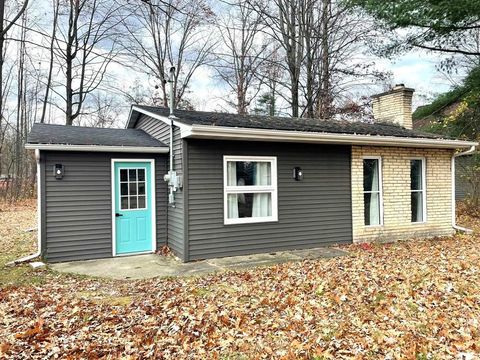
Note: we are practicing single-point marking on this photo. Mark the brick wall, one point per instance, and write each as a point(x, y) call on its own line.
point(396, 194)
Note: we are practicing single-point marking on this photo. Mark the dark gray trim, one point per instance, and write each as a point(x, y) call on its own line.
point(43, 206)
point(185, 200)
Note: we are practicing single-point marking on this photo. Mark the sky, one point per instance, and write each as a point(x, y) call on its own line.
point(414, 69)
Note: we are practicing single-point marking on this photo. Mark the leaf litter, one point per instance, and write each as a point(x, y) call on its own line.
point(408, 300)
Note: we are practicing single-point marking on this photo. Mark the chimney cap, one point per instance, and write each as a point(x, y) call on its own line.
point(396, 88)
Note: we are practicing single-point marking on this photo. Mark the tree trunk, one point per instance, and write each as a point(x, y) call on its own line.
point(56, 5)
point(2, 40)
point(325, 96)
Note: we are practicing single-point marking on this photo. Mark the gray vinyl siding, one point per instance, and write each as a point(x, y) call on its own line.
point(176, 224)
point(78, 208)
point(311, 213)
point(462, 187)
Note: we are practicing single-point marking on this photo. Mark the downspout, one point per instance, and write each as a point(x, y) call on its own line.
point(39, 217)
point(454, 221)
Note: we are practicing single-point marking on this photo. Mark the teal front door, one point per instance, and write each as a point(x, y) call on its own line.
point(133, 207)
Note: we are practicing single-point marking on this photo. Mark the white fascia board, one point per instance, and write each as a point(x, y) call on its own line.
point(165, 119)
point(233, 133)
point(99, 148)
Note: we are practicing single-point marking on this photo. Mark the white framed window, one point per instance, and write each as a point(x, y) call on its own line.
point(133, 188)
point(372, 191)
point(250, 189)
point(418, 186)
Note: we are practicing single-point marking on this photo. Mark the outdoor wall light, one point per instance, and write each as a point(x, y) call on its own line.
point(58, 171)
point(297, 173)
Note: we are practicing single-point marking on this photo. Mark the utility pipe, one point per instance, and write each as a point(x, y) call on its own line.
point(454, 221)
point(171, 197)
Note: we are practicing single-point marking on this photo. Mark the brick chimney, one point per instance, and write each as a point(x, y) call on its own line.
point(394, 106)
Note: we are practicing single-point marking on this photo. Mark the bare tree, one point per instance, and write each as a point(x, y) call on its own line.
point(85, 44)
point(319, 40)
point(5, 26)
point(5, 83)
point(162, 34)
point(56, 11)
point(242, 54)
point(287, 21)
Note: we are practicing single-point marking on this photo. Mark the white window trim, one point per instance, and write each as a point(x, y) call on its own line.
point(154, 205)
point(380, 190)
point(273, 189)
point(424, 190)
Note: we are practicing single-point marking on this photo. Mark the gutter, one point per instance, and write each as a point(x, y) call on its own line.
point(39, 217)
point(235, 133)
point(454, 220)
point(99, 148)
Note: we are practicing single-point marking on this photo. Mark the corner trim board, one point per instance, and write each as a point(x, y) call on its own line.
point(186, 237)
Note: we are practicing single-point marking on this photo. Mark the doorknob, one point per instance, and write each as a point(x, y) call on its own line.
point(117, 214)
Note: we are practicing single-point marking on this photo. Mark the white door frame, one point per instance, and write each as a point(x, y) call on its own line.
point(154, 208)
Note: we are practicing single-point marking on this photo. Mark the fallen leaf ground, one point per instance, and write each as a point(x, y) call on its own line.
point(413, 300)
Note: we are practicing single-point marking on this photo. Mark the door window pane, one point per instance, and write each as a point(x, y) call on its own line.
point(132, 175)
point(124, 202)
point(132, 189)
point(133, 202)
point(141, 202)
point(123, 175)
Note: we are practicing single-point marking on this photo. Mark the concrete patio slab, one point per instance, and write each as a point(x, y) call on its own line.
point(150, 266)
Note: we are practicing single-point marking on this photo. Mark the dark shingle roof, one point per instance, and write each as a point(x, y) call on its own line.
point(79, 135)
point(288, 123)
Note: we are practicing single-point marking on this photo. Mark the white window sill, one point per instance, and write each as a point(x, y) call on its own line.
point(249, 221)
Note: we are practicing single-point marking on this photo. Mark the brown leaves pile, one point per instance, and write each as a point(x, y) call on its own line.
point(413, 300)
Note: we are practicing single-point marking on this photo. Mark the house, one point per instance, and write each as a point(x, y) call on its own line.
point(466, 170)
point(431, 116)
point(212, 185)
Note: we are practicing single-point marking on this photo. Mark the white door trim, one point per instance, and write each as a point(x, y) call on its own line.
point(153, 197)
